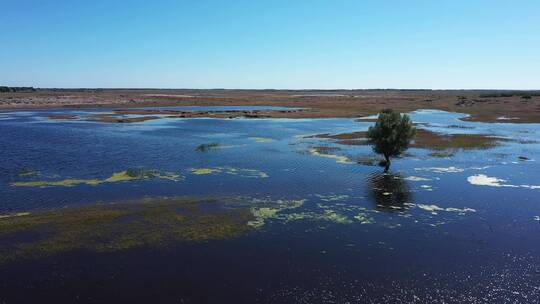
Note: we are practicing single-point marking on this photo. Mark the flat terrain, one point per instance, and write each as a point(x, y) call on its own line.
point(264, 210)
point(500, 106)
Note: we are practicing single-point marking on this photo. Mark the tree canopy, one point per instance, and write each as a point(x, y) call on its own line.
point(391, 134)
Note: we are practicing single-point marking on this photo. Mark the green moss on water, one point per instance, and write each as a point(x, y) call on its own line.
point(325, 152)
point(332, 216)
point(64, 183)
point(113, 227)
point(242, 172)
point(202, 171)
point(364, 219)
point(272, 211)
point(332, 197)
point(122, 176)
point(261, 139)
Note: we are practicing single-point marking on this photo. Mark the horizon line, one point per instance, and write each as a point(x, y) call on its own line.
point(273, 89)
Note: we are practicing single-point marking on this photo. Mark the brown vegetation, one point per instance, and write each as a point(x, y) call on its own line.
point(482, 105)
point(426, 140)
point(62, 116)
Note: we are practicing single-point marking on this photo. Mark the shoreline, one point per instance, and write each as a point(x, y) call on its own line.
point(480, 105)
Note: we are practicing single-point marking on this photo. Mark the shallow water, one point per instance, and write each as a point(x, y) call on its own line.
point(325, 228)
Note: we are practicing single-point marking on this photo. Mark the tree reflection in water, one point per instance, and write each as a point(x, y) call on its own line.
point(388, 191)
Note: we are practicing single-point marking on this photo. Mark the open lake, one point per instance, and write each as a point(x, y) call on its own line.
point(243, 210)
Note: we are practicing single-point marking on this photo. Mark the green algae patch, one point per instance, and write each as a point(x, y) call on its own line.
point(242, 172)
point(114, 227)
point(62, 183)
point(332, 197)
point(364, 219)
point(332, 216)
point(122, 176)
point(261, 139)
point(324, 152)
point(274, 210)
point(287, 211)
point(333, 209)
point(202, 171)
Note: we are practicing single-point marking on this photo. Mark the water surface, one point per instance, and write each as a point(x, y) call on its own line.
point(326, 228)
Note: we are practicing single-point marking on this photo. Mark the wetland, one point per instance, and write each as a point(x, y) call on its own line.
point(220, 204)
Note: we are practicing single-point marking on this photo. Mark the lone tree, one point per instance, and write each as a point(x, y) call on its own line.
point(391, 134)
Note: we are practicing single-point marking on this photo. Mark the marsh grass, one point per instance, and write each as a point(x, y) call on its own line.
point(428, 140)
point(436, 141)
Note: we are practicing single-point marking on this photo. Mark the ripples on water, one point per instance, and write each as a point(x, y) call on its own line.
point(421, 233)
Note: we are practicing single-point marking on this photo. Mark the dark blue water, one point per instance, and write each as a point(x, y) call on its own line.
point(459, 229)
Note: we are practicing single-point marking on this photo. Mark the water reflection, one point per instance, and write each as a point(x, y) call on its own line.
point(388, 191)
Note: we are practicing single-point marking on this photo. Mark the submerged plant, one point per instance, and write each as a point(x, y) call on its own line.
point(113, 227)
point(206, 147)
point(25, 171)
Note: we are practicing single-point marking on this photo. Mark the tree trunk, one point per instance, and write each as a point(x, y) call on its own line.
point(387, 164)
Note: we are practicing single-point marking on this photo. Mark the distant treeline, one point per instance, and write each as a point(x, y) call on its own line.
point(510, 94)
point(17, 89)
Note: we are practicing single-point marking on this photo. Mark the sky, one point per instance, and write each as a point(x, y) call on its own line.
point(289, 44)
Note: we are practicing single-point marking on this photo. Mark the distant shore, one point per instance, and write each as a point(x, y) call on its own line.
point(482, 105)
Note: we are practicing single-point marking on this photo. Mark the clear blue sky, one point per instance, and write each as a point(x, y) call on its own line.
point(271, 44)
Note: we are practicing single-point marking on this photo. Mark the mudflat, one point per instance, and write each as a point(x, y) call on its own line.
point(482, 105)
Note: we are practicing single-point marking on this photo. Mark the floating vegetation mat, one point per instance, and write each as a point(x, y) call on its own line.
point(160, 221)
point(122, 176)
point(391, 210)
point(261, 139)
point(326, 152)
point(212, 146)
point(252, 173)
point(113, 227)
